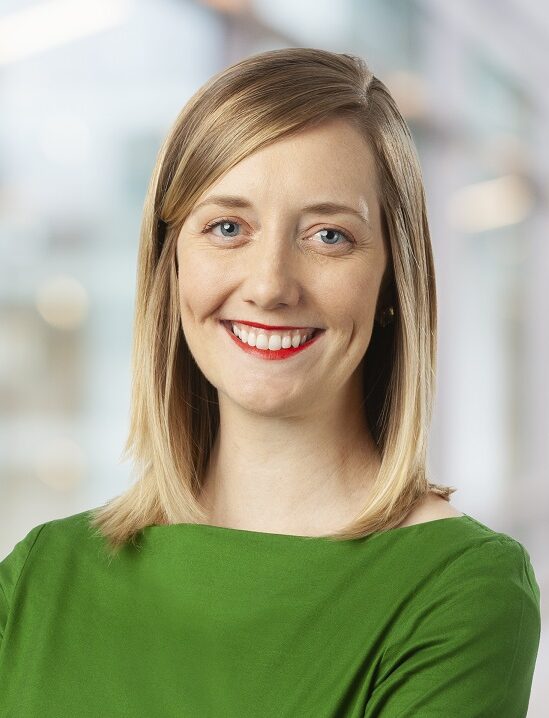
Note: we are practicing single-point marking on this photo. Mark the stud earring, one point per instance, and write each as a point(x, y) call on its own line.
point(386, 316)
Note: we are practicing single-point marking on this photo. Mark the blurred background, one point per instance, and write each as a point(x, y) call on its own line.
point(88, 91)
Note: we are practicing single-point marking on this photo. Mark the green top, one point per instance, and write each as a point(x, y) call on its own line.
point(199, 621)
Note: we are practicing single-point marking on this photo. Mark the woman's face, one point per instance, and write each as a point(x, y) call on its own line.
point(273, 261)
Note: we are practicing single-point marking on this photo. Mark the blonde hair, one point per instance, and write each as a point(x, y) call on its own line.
point(174, 409)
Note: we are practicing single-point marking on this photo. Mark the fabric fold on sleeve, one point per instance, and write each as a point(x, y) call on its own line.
point(472, 650)
point(11, 568)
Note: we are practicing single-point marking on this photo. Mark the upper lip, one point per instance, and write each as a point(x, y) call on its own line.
point(267, 326)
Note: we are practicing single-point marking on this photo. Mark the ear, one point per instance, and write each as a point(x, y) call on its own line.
point(386, 295)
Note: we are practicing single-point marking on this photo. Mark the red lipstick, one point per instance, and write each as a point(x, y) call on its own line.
point(270, 327)
point(271, 354)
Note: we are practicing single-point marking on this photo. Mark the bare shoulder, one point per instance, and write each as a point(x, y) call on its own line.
point(432, 507)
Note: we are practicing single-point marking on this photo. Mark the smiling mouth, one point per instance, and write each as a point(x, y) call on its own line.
point(264, 344)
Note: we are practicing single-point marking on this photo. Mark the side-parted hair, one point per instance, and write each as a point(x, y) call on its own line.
point(174, 409)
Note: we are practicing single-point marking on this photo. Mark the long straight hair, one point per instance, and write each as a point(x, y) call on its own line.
point(174, 415)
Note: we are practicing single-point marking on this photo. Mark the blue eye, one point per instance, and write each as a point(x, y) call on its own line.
point(208, 227)
point(337, 231)
point(225, 221)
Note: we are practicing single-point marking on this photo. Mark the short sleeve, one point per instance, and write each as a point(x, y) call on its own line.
point(467, 648)
point(11, 568)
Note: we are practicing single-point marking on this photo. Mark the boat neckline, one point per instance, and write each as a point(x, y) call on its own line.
point(248, 533)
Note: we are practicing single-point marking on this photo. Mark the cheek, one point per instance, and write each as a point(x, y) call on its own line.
point(350, 297)
point(200, 284)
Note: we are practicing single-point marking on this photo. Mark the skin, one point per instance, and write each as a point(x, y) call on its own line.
point(294, 454)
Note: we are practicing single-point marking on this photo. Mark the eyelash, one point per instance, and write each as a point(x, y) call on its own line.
point(212, 225)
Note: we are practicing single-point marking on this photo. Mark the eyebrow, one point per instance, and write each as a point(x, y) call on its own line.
point(326, 208)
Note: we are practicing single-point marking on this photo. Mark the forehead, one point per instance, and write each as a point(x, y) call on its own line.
point(329, 161)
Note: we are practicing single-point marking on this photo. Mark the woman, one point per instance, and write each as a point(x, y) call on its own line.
point(282, 552)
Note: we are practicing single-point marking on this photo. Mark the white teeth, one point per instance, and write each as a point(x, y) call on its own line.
point(267, 340)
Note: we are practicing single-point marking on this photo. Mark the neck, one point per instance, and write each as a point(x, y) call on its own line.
point(308, 474)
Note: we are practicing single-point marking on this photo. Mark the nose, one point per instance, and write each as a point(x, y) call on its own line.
point(273, 274)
